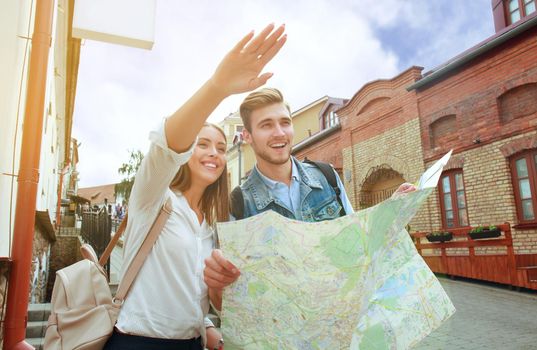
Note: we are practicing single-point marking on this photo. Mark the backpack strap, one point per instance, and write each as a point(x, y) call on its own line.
point(142, 253)
point(330, 175)
point(104, 258)
point(236, 203)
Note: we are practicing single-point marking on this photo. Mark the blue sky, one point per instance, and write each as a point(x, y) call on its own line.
point(443, 30)
point(334, 48)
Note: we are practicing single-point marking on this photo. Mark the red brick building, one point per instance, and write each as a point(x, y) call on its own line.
point(483, 105)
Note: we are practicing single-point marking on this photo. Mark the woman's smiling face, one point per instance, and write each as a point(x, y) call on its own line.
point(209, 158)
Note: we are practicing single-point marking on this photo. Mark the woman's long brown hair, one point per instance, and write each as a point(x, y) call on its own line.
point(215, 198)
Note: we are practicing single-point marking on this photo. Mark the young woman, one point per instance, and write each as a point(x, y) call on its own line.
point(167, 305)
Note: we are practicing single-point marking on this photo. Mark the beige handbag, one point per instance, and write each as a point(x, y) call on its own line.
point(83, 311)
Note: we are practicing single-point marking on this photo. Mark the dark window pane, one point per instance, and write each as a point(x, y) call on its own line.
point(449, 218)
point(525, 190)
point(447, 202)
point(461, 200)
point(521, 168)
point(527, 210)
point(463, 217)
point(445, 184)
point(459, 185)
point(515, 16)
point(530, 7)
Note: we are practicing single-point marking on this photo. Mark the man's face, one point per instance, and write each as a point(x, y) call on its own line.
point(272, 134)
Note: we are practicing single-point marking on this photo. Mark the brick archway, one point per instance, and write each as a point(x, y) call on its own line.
point(519, 145)
point(394, 163)
point(379, 184)
point(455, 162)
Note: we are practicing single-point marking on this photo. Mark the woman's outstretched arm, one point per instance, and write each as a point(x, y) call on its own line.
point(239, 71)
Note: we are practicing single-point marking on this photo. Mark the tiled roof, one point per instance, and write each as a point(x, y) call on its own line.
point(97, 194)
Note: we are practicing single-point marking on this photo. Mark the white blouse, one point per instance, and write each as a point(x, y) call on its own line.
point(169, 298)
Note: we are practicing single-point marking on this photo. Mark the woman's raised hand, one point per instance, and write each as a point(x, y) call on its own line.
point(240, 70)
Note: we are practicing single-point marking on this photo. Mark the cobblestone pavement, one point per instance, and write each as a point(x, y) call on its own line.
point(487, 317)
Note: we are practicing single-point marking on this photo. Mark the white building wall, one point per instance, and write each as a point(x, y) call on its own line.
point(16, 26)
point(52, 148)
point(50, 157)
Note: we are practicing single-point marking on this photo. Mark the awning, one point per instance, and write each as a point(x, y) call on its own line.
point(42, 219)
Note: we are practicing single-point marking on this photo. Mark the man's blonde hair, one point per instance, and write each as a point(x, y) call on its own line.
point(259, 99)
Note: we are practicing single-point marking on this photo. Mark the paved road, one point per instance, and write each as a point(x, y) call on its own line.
point(486, 318)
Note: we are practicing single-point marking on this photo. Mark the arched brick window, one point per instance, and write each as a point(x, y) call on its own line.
point(524, 175)
point(380, 183)
point(518, 102)
point(453, 199)
point(443, 130)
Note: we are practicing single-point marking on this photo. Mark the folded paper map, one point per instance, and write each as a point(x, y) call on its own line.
point(430, 178)
point(356, 282)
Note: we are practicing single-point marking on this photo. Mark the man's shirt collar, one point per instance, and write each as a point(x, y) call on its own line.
point(295, 175)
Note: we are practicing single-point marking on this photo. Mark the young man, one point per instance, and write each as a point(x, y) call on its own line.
point(278, 181)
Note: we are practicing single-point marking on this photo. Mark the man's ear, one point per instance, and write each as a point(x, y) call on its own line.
point(246, 136)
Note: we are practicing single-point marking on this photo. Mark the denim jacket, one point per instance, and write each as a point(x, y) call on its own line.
point(318, 199)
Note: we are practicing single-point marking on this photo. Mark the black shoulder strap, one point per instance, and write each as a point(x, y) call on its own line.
point(236, 203)
point(330, 175)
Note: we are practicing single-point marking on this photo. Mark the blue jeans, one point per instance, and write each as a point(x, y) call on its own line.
point(122, 341)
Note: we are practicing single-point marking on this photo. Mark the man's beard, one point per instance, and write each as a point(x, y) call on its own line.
point(267, 157)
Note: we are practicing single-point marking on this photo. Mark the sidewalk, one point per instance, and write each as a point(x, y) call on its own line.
point(486, 318)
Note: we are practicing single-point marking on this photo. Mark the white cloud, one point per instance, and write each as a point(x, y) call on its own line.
point(332, 49)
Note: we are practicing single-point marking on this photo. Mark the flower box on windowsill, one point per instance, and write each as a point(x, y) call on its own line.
point(439, 237)
point(480, 233)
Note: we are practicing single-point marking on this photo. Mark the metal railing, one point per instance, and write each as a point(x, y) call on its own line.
point(96, 229)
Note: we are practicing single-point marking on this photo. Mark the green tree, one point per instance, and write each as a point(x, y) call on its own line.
point(128, 171)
